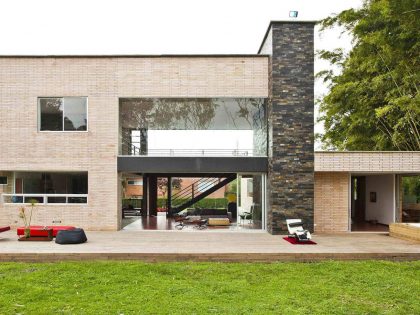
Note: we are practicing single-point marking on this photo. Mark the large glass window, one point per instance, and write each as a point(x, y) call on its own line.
point(63, 114)
point(51, 187)
point(411, 199)
point(190, 127)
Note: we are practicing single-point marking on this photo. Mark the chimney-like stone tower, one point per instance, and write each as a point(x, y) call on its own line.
point(290, 184)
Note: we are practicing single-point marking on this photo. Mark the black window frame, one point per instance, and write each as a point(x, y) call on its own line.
point(63, 124)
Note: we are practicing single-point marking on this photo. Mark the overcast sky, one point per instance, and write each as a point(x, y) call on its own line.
point(155, 26)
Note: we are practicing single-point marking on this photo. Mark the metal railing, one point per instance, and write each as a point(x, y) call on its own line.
point(134, 150)
point(44, 199)
point(200, 152)
point(194, 190)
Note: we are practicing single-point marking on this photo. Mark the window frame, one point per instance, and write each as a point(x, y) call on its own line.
point(62, 97)
point(45, 196)
point(7, 181)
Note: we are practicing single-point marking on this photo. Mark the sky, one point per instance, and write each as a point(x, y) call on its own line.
point(54, 27)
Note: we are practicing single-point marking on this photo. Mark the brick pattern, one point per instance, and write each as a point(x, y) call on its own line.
point(291, 121)
point(357, 161)
point(331, 213)
point(103, 81)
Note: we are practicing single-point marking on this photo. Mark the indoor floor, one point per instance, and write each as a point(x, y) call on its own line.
point(368, 227)
point(162, 223)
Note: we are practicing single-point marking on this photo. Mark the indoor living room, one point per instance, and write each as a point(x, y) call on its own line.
point(211, 202)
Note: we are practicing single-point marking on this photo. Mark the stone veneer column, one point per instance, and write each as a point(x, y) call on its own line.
point(291, 124)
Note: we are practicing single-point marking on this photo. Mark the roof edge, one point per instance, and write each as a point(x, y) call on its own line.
point(139, 56)
point(366, 152)
point(282, 22)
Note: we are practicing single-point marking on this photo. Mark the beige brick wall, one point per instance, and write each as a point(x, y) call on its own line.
point(331, 205)
point(368, 162)
point(103, 81)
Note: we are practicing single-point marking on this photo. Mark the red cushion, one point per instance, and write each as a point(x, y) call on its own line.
point(38, 230)
point(4, 228)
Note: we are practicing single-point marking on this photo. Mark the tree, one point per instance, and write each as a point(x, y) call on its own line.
point(374, 103)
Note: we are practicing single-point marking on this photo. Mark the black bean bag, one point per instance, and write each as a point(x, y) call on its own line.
point(76, 236)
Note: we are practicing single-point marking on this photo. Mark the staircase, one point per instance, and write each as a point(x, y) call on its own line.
point(197, 191)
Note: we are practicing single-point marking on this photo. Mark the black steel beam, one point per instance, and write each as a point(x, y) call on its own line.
point(164, 165)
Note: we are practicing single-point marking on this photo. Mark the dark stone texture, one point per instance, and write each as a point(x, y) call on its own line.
point(291, 126)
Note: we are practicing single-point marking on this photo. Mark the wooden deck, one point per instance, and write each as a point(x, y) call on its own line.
point(209, 246)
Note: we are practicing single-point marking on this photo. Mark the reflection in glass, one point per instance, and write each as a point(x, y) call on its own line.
point(56, 199)
point(77, 200)
point(175, 126)
point(75, 113)
point(63, 114)
point(411, 199)
point(53, 183)
point(51, 112)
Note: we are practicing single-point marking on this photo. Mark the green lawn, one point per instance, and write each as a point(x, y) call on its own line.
point(369, 287)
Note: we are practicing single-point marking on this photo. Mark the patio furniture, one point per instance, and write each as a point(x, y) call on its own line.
point(75, 236)
point(296, 230)
point(199, 222)
point(4, 228)
point(247, 215)
point(39, 230)
point(207, 213)
point(44, 234)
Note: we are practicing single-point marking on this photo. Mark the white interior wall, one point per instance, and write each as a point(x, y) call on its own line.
point(246, 201)
point(383, 209)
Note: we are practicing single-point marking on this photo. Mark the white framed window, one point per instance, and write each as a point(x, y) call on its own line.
point(48, 188)
point(3, 180)
point(62, 114)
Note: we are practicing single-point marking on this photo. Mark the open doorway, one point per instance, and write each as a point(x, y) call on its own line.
point(372, 202)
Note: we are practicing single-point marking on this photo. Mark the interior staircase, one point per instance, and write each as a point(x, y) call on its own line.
point(198, 190)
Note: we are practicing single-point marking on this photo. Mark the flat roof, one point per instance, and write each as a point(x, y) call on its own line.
point(367, 152)
point(140, 56)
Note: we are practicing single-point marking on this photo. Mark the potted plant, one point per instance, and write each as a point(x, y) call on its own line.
point(27, 218)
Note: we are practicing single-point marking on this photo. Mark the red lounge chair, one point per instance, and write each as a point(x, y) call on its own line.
point(38, 230)
point(4, 228)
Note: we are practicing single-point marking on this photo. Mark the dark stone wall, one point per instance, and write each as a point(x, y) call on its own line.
point(291, 126)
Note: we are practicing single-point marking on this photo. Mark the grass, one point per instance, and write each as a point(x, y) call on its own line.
point(367, 287)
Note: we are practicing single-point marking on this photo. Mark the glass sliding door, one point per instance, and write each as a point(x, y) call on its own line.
point(251, 200)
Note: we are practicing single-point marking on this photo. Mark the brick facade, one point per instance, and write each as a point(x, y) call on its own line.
point(331, 206)
point(103, 80)
point(368, 162)
point(300, 183)
point(291, 124)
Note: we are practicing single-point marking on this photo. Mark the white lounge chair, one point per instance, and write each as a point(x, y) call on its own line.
point(297, 231)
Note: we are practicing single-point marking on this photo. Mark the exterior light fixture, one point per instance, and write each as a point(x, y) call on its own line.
point(293, 14)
